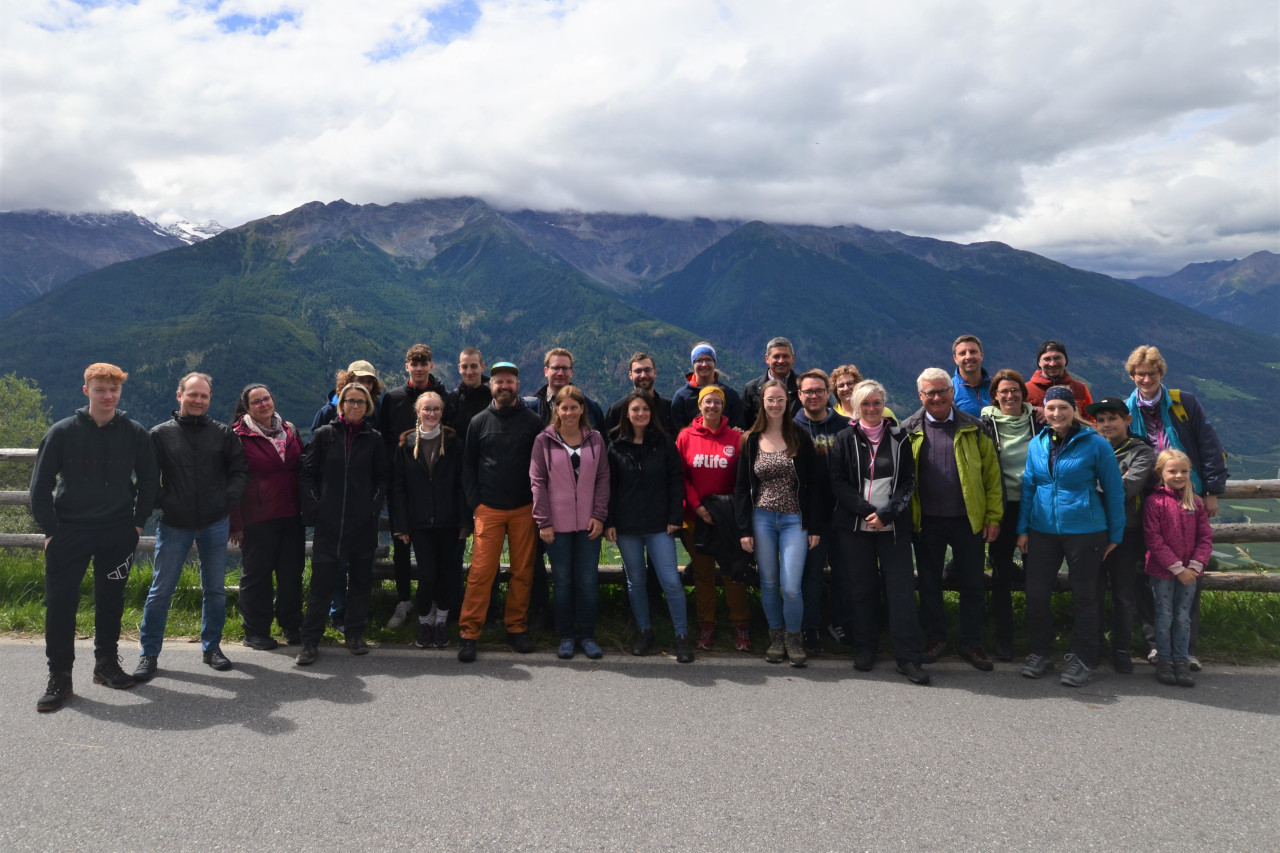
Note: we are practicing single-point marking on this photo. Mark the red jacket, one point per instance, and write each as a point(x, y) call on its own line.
point(1038, 384)
point(1174, 535)
point(710, 462)
point(273, 482)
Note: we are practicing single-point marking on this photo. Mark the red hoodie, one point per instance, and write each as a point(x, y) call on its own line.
point(710, 462)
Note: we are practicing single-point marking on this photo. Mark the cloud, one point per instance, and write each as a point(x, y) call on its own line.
point(1121, 137)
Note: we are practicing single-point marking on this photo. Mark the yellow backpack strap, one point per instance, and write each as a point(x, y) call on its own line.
point(1175, 400)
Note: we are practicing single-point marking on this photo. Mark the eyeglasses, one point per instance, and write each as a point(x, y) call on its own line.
point(715, 402)
point(872, 404)
point(261, 401)
point(435, 410)
point(354, 402)
point(704, 360)
point(813, 392)
point(1145, 375)
point(937, 392)
point(559, 368)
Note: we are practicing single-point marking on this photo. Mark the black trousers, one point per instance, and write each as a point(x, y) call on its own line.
point(328, 569)
point(870, 561)
point(272, 551)
point(66, 559)
point(1119, 576)
point(439, 567)
point(1083, 553)
point(1000, 553)
point(967, 556)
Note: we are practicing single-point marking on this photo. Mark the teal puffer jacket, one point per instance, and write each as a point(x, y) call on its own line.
point(1068, 500)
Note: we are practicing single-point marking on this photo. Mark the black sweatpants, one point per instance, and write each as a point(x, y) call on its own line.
point(1083, 553)
point(66, 559)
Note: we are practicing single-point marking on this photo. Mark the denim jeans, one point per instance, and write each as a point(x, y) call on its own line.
point(661, 548)
point(781, 545)
point(575, 563)
point(1173, 617)
point(172, 546)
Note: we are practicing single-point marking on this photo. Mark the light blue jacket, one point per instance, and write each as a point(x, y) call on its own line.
point(1068, 501)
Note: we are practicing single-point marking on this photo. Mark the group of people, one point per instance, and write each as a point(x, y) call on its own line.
point(796, 473)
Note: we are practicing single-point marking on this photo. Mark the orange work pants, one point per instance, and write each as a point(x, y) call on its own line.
point(491, 528)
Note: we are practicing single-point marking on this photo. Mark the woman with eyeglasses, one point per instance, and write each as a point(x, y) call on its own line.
point(344, 483)
point(1012, 422)
point(427, 512)
point(569, 473)
point(267, 523)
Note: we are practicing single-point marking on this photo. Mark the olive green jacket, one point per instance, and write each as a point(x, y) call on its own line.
point(977, 462)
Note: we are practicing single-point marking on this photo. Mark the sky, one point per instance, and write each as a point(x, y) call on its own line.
point(1125, 137)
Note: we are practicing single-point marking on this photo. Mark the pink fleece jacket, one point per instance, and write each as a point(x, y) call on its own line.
point(1175, 537)
point(560, 502)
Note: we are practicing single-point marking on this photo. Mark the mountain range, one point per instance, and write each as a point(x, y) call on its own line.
point(290, 298)
point(1245, 292)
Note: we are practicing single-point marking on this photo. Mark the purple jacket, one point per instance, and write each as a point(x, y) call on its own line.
point(560, 502)
point(273, 482)
point(1173, 534)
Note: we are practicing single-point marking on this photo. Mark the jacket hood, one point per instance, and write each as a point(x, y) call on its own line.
point(191, 419)
point(803, 418)
point(1043, 381)
point(700, 428)
point(994, 412)
point(691, 379)
point(120, 415)
point(507, 411)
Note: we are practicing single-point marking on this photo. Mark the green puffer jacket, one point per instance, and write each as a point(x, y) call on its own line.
point(978, 464)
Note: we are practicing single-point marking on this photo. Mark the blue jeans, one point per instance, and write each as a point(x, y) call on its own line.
point(172, 546)
point(781, 546)
point(575, 564)
point(1173, 617)
point(662, 550)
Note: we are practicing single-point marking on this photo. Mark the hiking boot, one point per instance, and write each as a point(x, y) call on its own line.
point(441, 636)
point(933, 650)
point(216, 659)
point(914, 672)
point(520, 642)
point(812, 641)
point(864, 660)
point(1164, 672)
point(402, 611)
point(1193, 663)
point(591, 648)
point(794, 642)
point(1122, 663)
point(146, 669)
point(742, 638)
point(644, 643)
point(683, 653)
point(1037, 666)
point(1077, 673)
point(356, 644)
point(977, 657)
point(293, 636)
point(57, 691)
point(466, 651)
point(108, 672)
point(706, 636)
point(308, 655)
point(261, 643)
point(842, 632)
point(1182, 674)
point(426, 636)
point(777, 651)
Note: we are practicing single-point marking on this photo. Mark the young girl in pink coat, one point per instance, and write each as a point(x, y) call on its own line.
point(1179, 542)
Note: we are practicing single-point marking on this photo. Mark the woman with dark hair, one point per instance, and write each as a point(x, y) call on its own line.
point(428, 511)
point(343, 483)
point(569, 473)
point(774, 509)
point(1011, 422)
point(267, 523)
point(646, 502)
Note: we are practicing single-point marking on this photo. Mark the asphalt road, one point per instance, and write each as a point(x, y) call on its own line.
point(410, 750)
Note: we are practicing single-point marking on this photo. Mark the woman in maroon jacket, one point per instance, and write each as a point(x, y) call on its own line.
point(267, 524)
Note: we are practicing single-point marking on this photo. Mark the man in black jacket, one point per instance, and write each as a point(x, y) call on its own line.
point(472, 396)
point(203, 473)
point(105, 473)
point(557, 367)
point(396, 416)
point(643, 375)
point(495, 477)
point(779, 356)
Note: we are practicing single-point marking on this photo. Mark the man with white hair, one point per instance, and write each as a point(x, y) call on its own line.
point(958, 502)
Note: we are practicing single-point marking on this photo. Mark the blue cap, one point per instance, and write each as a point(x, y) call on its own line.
point(503, 367)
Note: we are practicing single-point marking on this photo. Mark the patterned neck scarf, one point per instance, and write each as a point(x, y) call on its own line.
point(276, 433)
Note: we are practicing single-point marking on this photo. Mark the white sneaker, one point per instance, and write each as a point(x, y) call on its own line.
point(1193, 663)
point(1151, 657)
point(403, 609)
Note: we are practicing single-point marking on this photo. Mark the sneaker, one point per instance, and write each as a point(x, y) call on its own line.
point(591, 648)
point(566, 650)
point(337, 622)
point(56, 693)
point(933, 650)
point(403, 608)
point(777, 651)
point(466, 651)
point(977, 657)
point(914, 672)
point(742, 638)
point(706, 636)
point(1151, 657)
point(216, 659)
point(1182, 674)
point(864, 660)
point(842, 632)
point(146, 669)
point(683, 653)
point(260, 643)
point(426, 636)
point(441, 636)
point(1077, 673)
point(293, 636)
point(1037, 666)
point(1122, 663)
point(356, 644)
point(108, 672)
point(1193, 663)
point(308, 655)
point(644, 643)
point(1164, 672)
point(520, 642)
point(794, 641)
